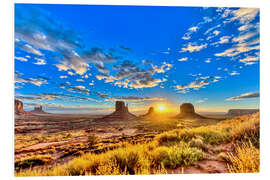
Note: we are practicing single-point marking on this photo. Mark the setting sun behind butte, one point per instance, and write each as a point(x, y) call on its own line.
point(161, 108)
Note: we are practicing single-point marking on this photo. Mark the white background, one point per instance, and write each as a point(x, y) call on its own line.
point(7, 87)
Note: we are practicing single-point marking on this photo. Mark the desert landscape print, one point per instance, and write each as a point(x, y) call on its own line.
point(130, 90)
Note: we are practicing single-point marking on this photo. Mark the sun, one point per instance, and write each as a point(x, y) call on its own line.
point(161, 108)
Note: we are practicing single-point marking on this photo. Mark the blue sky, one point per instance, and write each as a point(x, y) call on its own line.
point(82, 58)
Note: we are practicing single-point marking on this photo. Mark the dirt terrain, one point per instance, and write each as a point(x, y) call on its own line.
point(63, 136)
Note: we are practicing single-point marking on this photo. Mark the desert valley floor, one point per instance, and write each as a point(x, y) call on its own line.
point(57, 139)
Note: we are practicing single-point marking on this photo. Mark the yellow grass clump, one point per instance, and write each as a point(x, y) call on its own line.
point(245, 160)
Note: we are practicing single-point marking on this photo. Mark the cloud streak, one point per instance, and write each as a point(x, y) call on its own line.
point(36, 81)
point(244, 96)
point(200, 82)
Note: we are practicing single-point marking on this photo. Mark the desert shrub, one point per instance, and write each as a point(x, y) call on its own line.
point(87, 163)
point(109, 168)
point(167, 137)
point(247, 131)
point(80, 166)
point(160, 170)
point(158, 155)
point(213, 136)
point(33, 161)
point(174, 156)
point(209, 135)
point(55, 171)
point(198, 143)
point(245, 160)
point(92, 139)
point(129, 160)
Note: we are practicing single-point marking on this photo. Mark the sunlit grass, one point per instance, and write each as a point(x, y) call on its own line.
point(171, 149)
point(209, 135)
point(132, 159)
point(245, 160)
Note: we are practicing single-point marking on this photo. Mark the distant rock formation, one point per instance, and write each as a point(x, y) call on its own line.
point(18, 108)
point(38, 110)
point(187, 111)
point(121, 113)
point(150, 113)
point(240, 112)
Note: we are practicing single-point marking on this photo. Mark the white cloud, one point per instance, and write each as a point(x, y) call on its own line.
point(28, 48)
point(249, 63)
point(136, 98)
point(21, 59)
point(245, 15)
point(80, 80)
point(244, 96)
point(194, 28)
point(183, 59)
point(131, 75)
point(193, 85)
point(81, 89)
point(249, 60)
point(191, 47)
point(191, 30)
point(216, 32)
point(186, 37)
point(40, 61)
point(224, 39)
point(237, 50)
point(124, 83)
point(207, 60)
point(234, 73)
point(163, 68)
point(47, 105)
point(245, 27)
point(35, 81)
point(202, 100)
point(76, 64)
point(63, 77)
point(33, 50)
point(108, 79)
point(71, 73)
point(244, 37)
point(62, 67)
point(200, 82)
point(143, 84)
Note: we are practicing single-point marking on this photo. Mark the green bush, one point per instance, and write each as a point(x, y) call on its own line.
point(174, 156)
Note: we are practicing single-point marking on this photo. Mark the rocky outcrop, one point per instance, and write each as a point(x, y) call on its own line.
point(121, 113)
point(150, 113)
point(240, 112)
point(18, 108)
point(187, 111)
point(38, 110)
